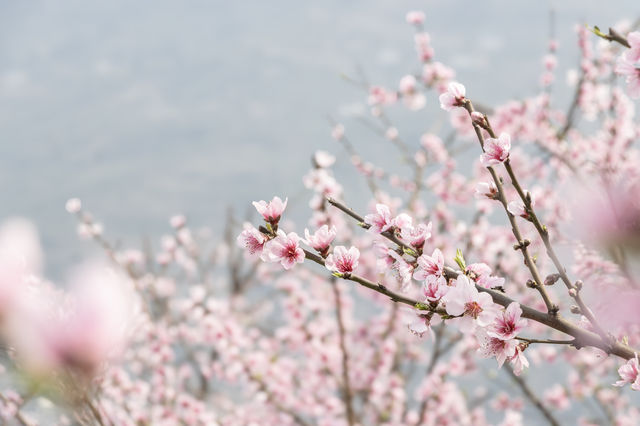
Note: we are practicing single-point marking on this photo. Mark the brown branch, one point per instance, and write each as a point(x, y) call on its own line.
point(553, 320)
point(380, 288)
point(522, 245)
point(348, 395)
point(387, 234)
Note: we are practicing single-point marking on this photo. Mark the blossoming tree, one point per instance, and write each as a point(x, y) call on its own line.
point(524, 253)
point(583, 198)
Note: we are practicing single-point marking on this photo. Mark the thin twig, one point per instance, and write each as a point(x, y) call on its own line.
point(528, 393)
point(348, 395)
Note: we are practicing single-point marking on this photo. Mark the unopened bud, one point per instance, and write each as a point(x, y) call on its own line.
point(551, 279)
point(573, 292)
point(578, 285)
point(575, 310)
point(478, 118)
point(531, 284)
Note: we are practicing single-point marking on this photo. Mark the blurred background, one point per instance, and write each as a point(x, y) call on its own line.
point(151, 108)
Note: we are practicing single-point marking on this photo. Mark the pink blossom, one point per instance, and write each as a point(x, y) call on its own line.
point(464, 299)
point(453, 97)
point(337, 132)
point(481, 274)
point(415, 17)
point(629, 373)
point(478, 118)
point(285, 249)
point(423, 47)
point(519, 361)
point(52, 338)
point(343, 261)
point(631, 71)
point(20, 258)
point(412, 98)
point(419, 323)
point(517, 208)
point(402, 269)
point(379, 221)
point(435, 289)
point(252, 240)
point(430, 267)
point(416, 235)
point(178, 221)
point(496, 151)
point(272, 210)
point(381, 96)
point(437, 73)
point(487, 281)
point(321, 239)
point(391, 133)
point(476, 270)
point(323, 160)
point(486, 190)
point(493, 347)
point(633, 54)
point(73, 205)
point(403, 222)
point(507, 323)
point(557, 397)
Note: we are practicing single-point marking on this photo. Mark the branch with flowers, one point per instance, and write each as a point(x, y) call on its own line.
point(478, 301)
point(397, 313)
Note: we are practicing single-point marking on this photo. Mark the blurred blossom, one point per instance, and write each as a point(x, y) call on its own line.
point(608, 215)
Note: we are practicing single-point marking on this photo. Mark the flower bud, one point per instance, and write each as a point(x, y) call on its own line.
point(551, 279)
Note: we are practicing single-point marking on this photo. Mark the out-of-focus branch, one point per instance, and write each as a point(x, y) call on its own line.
point(348, 395)
point(528, 393)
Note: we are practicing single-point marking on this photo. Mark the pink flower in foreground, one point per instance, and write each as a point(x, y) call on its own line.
point(496, 151)
point(321, 239)
point(629, 373)
point(343, 261)
point(631, 71)
point(453, 97)
point(52, 338)
point(431, 267)
point(285, 249)
point(493, 347)
point(507, 323)
point(252, 240)
point(272, 210)
point(464, 299)
point(379, 221)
